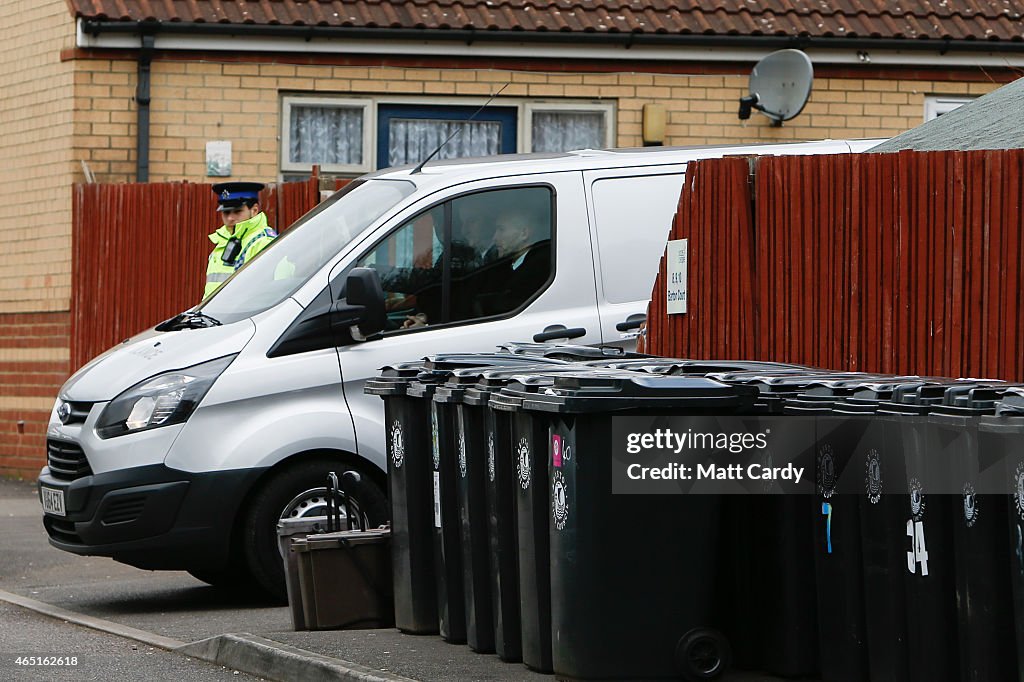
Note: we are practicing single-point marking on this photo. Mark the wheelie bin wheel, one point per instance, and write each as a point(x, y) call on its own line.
point(703, 654)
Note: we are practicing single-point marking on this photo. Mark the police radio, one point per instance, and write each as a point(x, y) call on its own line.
point(232, 250)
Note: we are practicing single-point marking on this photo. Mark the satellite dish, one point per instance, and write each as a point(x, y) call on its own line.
point(780, 85)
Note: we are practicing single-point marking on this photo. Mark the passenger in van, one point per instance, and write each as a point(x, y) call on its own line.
point(515, 266)
point(245, 231)
point(469, 239)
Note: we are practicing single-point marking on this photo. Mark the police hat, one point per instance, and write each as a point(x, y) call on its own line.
point(234, 194)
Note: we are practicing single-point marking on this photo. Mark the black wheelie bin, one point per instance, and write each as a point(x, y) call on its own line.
point(980, 528)
point(407, 426)
point(632, 576)
point(877, 454)
point(1002, 435)
point(469, 434)
point(528, 439)
point(929, 566)
point(837, 539)
point(445, 529)
point(776, 567)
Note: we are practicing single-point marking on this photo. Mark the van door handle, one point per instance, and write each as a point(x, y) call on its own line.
point(559, 331)
point(632, 322)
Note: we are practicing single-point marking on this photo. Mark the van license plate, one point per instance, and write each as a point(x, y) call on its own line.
point(53, 501)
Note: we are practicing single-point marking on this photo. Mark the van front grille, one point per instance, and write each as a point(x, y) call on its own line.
point(66, 460)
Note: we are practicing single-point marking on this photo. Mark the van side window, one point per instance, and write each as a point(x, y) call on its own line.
point(480, 255)
point(409, 264)
point(501, 250)
point(629, 256)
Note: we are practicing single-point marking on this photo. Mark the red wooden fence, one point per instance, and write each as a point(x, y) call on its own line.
point(139, 253)
point(906, 263)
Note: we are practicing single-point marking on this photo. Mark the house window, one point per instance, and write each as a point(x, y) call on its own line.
point(331, 133)
point(560, 127)
point(937, 106)
point(351, 136)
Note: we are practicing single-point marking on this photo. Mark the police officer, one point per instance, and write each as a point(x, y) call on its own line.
point(244, 233)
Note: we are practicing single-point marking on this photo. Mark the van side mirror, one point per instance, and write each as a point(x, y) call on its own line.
point(363, 290)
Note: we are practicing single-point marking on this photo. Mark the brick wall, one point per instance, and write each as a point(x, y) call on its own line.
point(36, 110)
point(33, 365)
point(196, 99)
point(36, 102)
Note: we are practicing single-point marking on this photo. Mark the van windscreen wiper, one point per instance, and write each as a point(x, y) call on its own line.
point(188, 320)
point(198, 320)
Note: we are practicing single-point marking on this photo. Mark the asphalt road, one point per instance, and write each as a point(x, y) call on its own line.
point(176, 605)
point(172, 604)
point(86, 655)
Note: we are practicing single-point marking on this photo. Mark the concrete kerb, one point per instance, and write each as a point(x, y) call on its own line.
point(267, 658)
point(243, 652)
point(100, 624)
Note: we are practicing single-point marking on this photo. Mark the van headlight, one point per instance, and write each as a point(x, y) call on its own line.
point(165, 399)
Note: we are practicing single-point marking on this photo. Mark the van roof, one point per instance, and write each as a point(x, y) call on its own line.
point(450, 170)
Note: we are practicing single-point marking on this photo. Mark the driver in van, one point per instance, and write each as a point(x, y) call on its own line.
point(245, 231)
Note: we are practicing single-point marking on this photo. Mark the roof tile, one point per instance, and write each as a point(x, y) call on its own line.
point(992, 20)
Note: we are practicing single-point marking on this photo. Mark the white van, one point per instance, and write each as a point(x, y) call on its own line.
point(182, 447)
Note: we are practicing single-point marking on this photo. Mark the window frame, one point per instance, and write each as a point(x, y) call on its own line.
point(936, 105)
point(368, 110)
point(581, 107)
point(525, 108)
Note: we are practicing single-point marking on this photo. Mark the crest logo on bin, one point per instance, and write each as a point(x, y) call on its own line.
point(435, 442)
point(559, 501)
point(397, 445)
point(970, 505)
point(523, 463)
point(490, 456)
point(916, 499)
point(826, 471)
point(873, 476)
point(1018, 495)
point(462, 454)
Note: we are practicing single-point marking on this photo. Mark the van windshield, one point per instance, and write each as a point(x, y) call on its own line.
point(279, 270)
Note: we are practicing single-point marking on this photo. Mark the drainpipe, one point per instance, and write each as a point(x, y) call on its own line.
point(142, 99)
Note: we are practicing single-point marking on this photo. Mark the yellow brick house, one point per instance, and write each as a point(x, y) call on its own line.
point(117, 91)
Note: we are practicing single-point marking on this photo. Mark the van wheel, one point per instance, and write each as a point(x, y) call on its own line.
point(299, 490)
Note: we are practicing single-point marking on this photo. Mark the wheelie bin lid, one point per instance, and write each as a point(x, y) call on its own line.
point(866, 398)
point(776, 388)
point(393, 379)
point(455, 387)
point(492, 380)
point(821, 395)
point(963, 403)
point(914, 398)
point(588, 392)
point(1009, 416)
point(437, 368)
point(678, 366)
point(519, 387)
point(571, 351)
point(1012, 402)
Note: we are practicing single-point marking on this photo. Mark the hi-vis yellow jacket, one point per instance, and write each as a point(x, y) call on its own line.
point(254, 234)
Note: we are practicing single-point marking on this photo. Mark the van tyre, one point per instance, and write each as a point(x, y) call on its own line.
point(703, 654)
point(295, 489)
